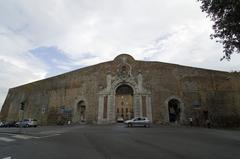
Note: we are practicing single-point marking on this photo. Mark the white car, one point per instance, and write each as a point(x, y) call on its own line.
point(27, 123)
point(120, 119)
point(138, 121)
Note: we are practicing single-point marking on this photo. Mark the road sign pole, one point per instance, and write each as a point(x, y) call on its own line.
point(20, 122)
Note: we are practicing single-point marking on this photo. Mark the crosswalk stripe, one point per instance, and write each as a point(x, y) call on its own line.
point(7, 157)
point(6, 139)
point(47, 136)
point(23, 137)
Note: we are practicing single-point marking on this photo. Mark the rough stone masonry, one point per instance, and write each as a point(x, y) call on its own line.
point(125, 88)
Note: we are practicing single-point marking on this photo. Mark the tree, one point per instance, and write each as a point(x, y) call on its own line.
point(226, 17)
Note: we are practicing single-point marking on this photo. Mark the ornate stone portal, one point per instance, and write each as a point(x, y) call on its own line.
point(135, 104)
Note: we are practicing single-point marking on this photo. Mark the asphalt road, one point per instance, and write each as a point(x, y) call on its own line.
point(117, 141)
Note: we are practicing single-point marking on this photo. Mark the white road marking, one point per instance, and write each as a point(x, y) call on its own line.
point(53, 131)
point(7, 157)
point(47, 136)
point(6, 139)
point(23, 137)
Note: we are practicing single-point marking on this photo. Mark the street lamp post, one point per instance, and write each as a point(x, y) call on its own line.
point(22, 110)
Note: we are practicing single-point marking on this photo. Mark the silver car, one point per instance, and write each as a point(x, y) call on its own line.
point(27, 123)
point(138, 121)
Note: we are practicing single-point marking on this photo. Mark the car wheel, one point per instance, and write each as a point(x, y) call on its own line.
point(147, 126)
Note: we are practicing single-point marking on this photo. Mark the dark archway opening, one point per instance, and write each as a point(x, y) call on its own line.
point(174, 110)
point(81, 109)
point(124, 103)
point(124, 90)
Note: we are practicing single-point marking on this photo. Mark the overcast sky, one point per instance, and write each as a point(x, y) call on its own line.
point(43, 38)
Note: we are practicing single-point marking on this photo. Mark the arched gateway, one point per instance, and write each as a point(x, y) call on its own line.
point(174, 110)
point(124, 102)
point(81, 110)
point(124, 95)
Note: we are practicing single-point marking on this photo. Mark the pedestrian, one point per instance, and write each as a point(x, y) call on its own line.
point(69, 122)
point(208, 123)
point(191, 121)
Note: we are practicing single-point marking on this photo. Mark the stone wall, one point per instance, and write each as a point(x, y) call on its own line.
point(199, 91)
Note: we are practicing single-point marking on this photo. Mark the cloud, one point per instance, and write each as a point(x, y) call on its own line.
point(44, 38)
point(55, 60)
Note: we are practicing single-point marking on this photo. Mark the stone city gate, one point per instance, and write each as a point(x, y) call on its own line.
point(107, 107)
point(115, 102)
